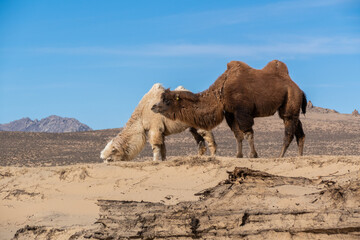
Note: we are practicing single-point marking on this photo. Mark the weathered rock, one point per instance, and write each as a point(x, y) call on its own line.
point(249, 205)
point(355, 113)
point(309, 105)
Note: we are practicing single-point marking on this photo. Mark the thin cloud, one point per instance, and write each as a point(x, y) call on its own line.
point(307, 4)
point(229, 16)
point(310, 47)
point(306, 46)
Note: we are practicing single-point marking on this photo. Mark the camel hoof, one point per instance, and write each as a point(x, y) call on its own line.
point(212, 152)
point(254, 155)
point(239, 155)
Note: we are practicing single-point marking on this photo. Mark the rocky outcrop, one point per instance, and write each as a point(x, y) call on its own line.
point(54, 124)
point(309, 105)
point(355, 113)
point(311, 108)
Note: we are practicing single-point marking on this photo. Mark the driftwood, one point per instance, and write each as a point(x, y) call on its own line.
point(250, 205)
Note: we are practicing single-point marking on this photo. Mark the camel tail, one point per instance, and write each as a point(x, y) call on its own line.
point(304, 104)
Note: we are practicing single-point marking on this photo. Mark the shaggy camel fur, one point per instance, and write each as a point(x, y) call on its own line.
point(240, 94)
point(145, 124)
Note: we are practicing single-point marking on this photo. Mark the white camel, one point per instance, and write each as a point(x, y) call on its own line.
point(144, 125)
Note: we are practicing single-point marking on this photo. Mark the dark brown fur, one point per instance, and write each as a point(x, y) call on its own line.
point(241, 94)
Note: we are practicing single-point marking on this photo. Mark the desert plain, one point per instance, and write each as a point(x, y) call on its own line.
point(54, 186)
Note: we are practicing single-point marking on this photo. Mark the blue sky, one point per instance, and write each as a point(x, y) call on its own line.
point(94, 60)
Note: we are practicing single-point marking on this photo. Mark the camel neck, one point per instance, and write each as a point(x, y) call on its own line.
point(206, 113)
point(132, 138)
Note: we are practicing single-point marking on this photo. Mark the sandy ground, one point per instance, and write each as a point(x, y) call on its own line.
point(66, 196)
point(55, 180)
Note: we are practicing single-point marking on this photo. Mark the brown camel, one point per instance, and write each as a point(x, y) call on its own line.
point(241, 94)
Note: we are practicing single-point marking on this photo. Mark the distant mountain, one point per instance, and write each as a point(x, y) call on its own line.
point(54, 124)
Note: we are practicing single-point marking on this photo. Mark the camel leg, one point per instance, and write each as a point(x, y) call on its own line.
point(163, 151)
point(156, 139)
point(199, 140)
point(209, 138)
point(156, 152)
point(250, 138)
point(159, 152)
point(239, 135)
point(300, 137)
point(245, 123)
point(290, 126)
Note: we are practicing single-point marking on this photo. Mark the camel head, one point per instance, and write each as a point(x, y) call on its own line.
point(112, 153)
point(173, 102)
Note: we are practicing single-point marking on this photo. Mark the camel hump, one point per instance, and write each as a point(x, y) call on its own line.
point(233, 64)
point(157, 86)
point(276, 66)
point(181, 88)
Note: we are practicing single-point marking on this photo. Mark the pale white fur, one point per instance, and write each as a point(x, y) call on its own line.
point(106, 149)
point(144, 125)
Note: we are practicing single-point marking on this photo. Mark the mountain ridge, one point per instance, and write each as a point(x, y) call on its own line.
point(51, 124)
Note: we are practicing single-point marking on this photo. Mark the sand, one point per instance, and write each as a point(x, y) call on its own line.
point(55, 180)
point(66, 196)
